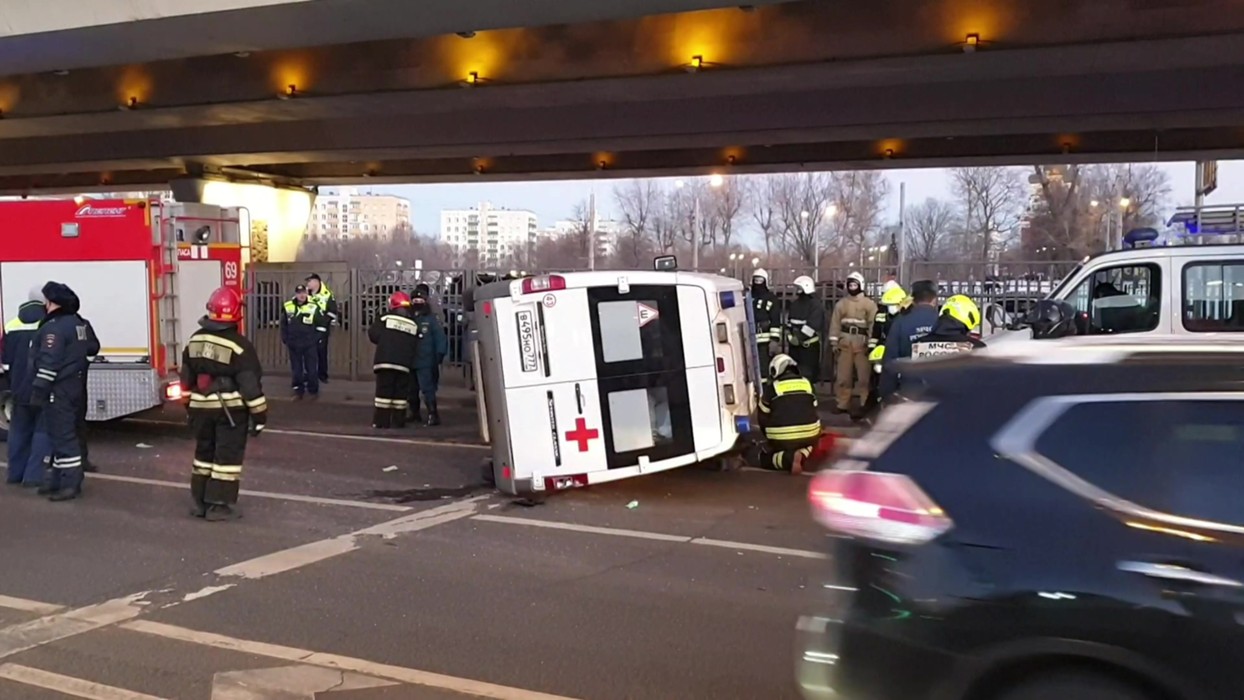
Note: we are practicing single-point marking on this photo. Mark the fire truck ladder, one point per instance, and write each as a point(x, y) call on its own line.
point(170, 326)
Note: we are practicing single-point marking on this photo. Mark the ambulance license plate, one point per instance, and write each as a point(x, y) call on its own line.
point(527, 340)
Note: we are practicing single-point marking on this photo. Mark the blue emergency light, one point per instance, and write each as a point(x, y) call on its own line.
point(742, 425)
point(727, 300)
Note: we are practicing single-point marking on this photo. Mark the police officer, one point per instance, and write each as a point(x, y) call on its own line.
point(850, 331)
point(220, 372)
point(954, 331)
point(768, 318)
point(303, 326)
point(789, 417)
point(60, 352)
point(28, 444)
point(80, 425)
point(805, 325)
point(323, 298)
point(907, 329)
point(430, 351)
point(395, 335)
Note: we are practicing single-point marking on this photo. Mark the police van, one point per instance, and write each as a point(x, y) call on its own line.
point(589, 377)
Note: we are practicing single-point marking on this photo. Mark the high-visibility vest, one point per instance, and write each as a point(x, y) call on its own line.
point(791, 414)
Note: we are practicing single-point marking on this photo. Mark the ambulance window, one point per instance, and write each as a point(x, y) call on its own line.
point(639, 419)
point(1213, 297)
point(1125, 299)
point(620, 330)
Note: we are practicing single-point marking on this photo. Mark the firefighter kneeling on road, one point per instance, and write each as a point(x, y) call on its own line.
point(789, 417)
point(220, 372)
point(395, 335)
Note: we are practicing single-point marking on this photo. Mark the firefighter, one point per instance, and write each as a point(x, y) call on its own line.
point(80, 425)
point(221, 374)
point(789, 417)
point(28, 444)
point(60, 351)
point(430, 351)
point(395, 335)
point(303, 327)
point(850, 331)
point(768, 318)
point(912, 325)
point(894, 301)
point(954, 331)
point(805, 325)
point(323, 298)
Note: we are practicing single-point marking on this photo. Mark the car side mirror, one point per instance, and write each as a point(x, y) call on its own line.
point(665, 263)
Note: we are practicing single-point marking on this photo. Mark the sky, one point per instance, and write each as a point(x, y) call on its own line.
point(554, 200)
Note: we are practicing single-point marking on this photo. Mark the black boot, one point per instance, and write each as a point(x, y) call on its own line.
point(414, 414)
point(70, 485)
point(198, 489)
point(221, 513)
point(398, 419)
point(434, 418)
point(382, 418)
point(222, 500)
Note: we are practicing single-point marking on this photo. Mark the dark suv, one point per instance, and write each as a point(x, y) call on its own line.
point(1063, 522)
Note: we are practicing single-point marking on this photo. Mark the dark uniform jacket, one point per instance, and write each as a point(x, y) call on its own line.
point(220, 367)
point(767, 315)
point(396, 336)
point(948, 337)
point(805, 310)
point(303, 324)
point(19, 334)
point(59, 357)
point(909, 327)
point(788, 412)
point(433, 345)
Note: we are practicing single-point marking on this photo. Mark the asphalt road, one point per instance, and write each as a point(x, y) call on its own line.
point(350, 579)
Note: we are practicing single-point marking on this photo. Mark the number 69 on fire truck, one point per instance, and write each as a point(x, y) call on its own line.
point(589, 377)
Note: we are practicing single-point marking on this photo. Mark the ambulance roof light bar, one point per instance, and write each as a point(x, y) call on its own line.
point(543, 283)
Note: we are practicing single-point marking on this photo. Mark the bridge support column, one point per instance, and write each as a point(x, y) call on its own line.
point(279, 215)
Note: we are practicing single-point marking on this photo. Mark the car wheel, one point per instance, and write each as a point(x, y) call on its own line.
point(1074, 686)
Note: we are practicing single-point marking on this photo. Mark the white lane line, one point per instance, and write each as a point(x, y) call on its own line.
point(401, 674)
point(15, 639)
point(640, 534)
point(260, 494)
point(24, 605)
point(335, 436)
point(67, 685)
point(310, 553)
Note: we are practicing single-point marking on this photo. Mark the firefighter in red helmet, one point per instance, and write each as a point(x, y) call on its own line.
point(220, 372)
point(394, 332)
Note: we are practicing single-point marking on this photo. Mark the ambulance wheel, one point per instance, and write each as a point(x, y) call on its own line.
point(486, 473)
point(6, 412)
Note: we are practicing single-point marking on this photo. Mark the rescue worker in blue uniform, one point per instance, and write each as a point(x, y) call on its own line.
point(80, 425)
point(790, 418)
point(767, 315)
point(323, 298)
point(221, 375)
point(395, 335)
point(59, 352)
point(430, 351)
point(303, 326)
point(953, 333)
point(910, 327)
point(29, 448)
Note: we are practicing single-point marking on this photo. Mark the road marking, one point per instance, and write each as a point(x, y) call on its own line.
point(34, 606)
point(401, 674)
point(299, 682)
point(44, 630)
point(67, 685)
point(661, 537)
point(313, 552)
point(334, 436)
point(259, 494)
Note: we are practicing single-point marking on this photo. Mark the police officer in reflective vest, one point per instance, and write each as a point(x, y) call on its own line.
point(789, 417)
point(395, 335)
point(220, 372)
point(303, 326)
point(62, 346)
point(323, 298)
point(430, 351)
point(805, 325)
point(768, 318)
point(28, 444)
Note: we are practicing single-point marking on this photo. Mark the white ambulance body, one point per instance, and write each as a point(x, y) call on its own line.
point(590, 377)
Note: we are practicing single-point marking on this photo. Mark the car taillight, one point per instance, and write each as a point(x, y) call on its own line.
point(172, 392)
point(721, 365)
point(543, 283)
point(876, 506)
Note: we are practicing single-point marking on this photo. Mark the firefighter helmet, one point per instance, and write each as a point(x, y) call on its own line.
point(225, 305)
point(780, 363)
point(892, 294)
point(760, 276)
point(805, 284)
point(963, 310)
point(856, 277)
point(399, 300)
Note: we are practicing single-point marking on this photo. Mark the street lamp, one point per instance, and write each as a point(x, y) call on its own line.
point(716, 180)
point(1124, 202)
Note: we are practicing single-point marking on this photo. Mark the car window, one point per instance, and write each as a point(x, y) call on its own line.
point(1176, 456)
point(1213, 297)
point(1124, 299)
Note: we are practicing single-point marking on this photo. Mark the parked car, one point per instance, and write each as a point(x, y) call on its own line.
point(1060, 520)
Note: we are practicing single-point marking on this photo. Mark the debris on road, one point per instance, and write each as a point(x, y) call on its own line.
point(390, 468)
point(144, 446)
point(632, 505)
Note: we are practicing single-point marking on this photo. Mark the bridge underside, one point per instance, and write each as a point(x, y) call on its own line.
point(782, 87)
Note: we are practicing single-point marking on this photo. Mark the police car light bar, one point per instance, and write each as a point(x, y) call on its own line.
point(543, 283)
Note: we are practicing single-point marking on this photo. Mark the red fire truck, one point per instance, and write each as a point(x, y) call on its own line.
point(143, 270)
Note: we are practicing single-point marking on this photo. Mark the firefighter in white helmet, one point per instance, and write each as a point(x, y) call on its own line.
point(850, 330)
point(805, 326)
point(768, 318)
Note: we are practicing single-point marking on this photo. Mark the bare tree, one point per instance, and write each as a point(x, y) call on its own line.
point(992, 201)
point(667, 222)
point(728, 201)
point(639, 201)
point(859, 203)
point(802, 201)
point(930, 225)
point(763, 200)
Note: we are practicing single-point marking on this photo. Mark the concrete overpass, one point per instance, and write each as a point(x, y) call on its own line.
point(339, 91)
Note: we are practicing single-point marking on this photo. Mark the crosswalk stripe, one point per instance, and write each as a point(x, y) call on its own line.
point(69, 685)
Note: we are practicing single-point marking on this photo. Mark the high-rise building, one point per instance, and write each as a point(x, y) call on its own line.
point(498, 236)
point(349, 214)
point(607, 231)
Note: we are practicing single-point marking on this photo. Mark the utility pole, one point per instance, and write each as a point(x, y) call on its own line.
point(591, 231)
point(695, 233)
point(901, 243)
